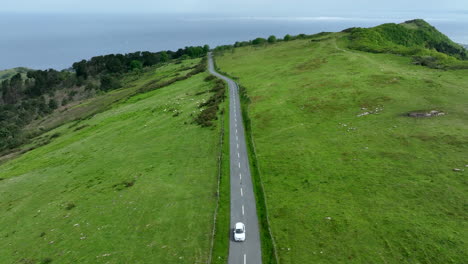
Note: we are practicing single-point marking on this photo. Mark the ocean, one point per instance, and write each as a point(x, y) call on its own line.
point(41, 41)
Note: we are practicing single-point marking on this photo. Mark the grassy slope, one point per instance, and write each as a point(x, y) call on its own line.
point(348, 189)
point(164, 217)
point(7, 74)
point(131, 83)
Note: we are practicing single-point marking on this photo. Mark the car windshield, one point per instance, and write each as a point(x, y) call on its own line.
point(239, 231)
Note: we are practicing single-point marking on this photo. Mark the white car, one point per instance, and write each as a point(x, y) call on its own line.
point(239, 232)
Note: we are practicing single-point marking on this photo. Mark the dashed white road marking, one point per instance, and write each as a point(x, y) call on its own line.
point(237, 145)
point(242, 193)
point(238, 155)
point(239, 165)
point(242, 209)
point(236, 130)
point(240, 176)
point(245, 258)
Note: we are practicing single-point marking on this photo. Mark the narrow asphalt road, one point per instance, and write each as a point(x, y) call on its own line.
point(243, 206)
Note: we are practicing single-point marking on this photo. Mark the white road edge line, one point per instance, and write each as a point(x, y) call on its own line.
point(242, 209)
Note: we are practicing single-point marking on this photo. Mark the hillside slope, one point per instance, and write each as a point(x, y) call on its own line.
point(414, 37)
point(133, 184)
point(348, 176)
point(6, 74)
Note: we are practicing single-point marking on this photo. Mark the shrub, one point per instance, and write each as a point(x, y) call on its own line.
point(136, 65)
point(259, 41)
point(271, 39)
point(209, 114)
point(209, 78)
point(53, 104)
point(70, 206)
point(46, 260)
point(109, 83)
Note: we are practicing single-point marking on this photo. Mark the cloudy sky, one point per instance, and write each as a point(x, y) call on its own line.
point(240, 7)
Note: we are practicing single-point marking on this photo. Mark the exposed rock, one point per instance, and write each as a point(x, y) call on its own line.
point(375, 111)
point(431, 113)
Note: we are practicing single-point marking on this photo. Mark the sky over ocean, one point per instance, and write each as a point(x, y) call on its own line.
point(42, 41)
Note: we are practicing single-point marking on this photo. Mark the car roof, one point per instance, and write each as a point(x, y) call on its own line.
point(239, 225)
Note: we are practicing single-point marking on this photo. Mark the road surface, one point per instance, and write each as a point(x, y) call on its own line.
point(243, 207)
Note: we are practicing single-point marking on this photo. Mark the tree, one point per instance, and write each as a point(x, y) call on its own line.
point(164, 56)
point(109, 83)
point(287, 37)
point(114, 65)
point(136, 65)
point(271, 39)
point(53, 104)
point(206, 48)
point(81, 69)
point(259, 41)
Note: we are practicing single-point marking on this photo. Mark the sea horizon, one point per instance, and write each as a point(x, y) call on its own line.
point(43, 41)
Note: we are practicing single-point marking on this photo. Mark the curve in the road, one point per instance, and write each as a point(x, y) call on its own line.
point(243, 206)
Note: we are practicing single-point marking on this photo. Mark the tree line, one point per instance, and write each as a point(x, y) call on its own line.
point(26, 97)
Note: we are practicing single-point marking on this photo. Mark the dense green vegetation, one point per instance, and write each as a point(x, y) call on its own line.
point(348, 176)
point(416, 38)
point(25, 98)
point(133, 184)
point(271, 40)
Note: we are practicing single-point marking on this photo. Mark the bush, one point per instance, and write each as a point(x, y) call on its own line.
point(70, 206)
point(53, 104)
point(209, 78)
point(287, 37)
point(90, 86)
point(109, 83)
point(259, 41)
point(209, 114)
point(136, 65)
point(46, 260)
point(271, 39)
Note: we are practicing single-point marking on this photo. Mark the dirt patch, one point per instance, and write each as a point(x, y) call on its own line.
point(424, 114)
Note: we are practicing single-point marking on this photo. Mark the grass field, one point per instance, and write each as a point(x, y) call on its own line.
point(133, 184)
point(343, 188)
point(131, 83)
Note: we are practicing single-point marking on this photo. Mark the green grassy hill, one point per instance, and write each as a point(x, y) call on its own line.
point(133, 184)
point(7, 74)
point(348, 176)
point(414, 37)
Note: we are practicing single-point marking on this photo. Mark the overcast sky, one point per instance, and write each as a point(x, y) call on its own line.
point(240, 7)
